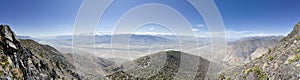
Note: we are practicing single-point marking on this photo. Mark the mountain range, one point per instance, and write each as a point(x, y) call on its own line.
point(252, 58)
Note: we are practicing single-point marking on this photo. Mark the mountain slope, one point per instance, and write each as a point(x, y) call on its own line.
point(89, 66)
point(249, 48)
point(163, 65)
point(26, 59)
point(50, 55)
point(282, 62)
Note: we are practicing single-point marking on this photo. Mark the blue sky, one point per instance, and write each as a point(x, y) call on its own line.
point(241, 17)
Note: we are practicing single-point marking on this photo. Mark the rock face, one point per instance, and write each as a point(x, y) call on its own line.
point(247, 49)
point(280, 63)
point(164, 65)
point(26, 59)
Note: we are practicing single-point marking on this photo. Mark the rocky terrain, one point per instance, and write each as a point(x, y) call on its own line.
point(279, 63)
point(164, 65)
point(26, 59)
point(247, 49)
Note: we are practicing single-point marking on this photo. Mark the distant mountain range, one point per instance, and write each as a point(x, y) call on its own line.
point(134, 38)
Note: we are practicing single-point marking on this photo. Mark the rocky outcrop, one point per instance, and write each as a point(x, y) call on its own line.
point(28, 60)
point(280, 63)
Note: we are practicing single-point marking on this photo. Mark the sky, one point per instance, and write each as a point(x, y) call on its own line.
point(241, 17)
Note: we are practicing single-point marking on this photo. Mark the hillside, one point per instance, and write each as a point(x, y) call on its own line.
point(86, 67)
point(249, 48)
point(164, 65)
point(26, 59)
point(280, 63)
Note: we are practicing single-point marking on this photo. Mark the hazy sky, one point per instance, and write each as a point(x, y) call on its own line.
point(241, 17)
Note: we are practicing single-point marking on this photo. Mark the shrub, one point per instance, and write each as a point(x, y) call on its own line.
point(269, 50)
point(221, 76)
point(244, 76)
point(297, 57)
point(257, 71)
point(260, 74)
point(1, 72)
point(4, 60)
point(2, 31)
point(270, 58)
